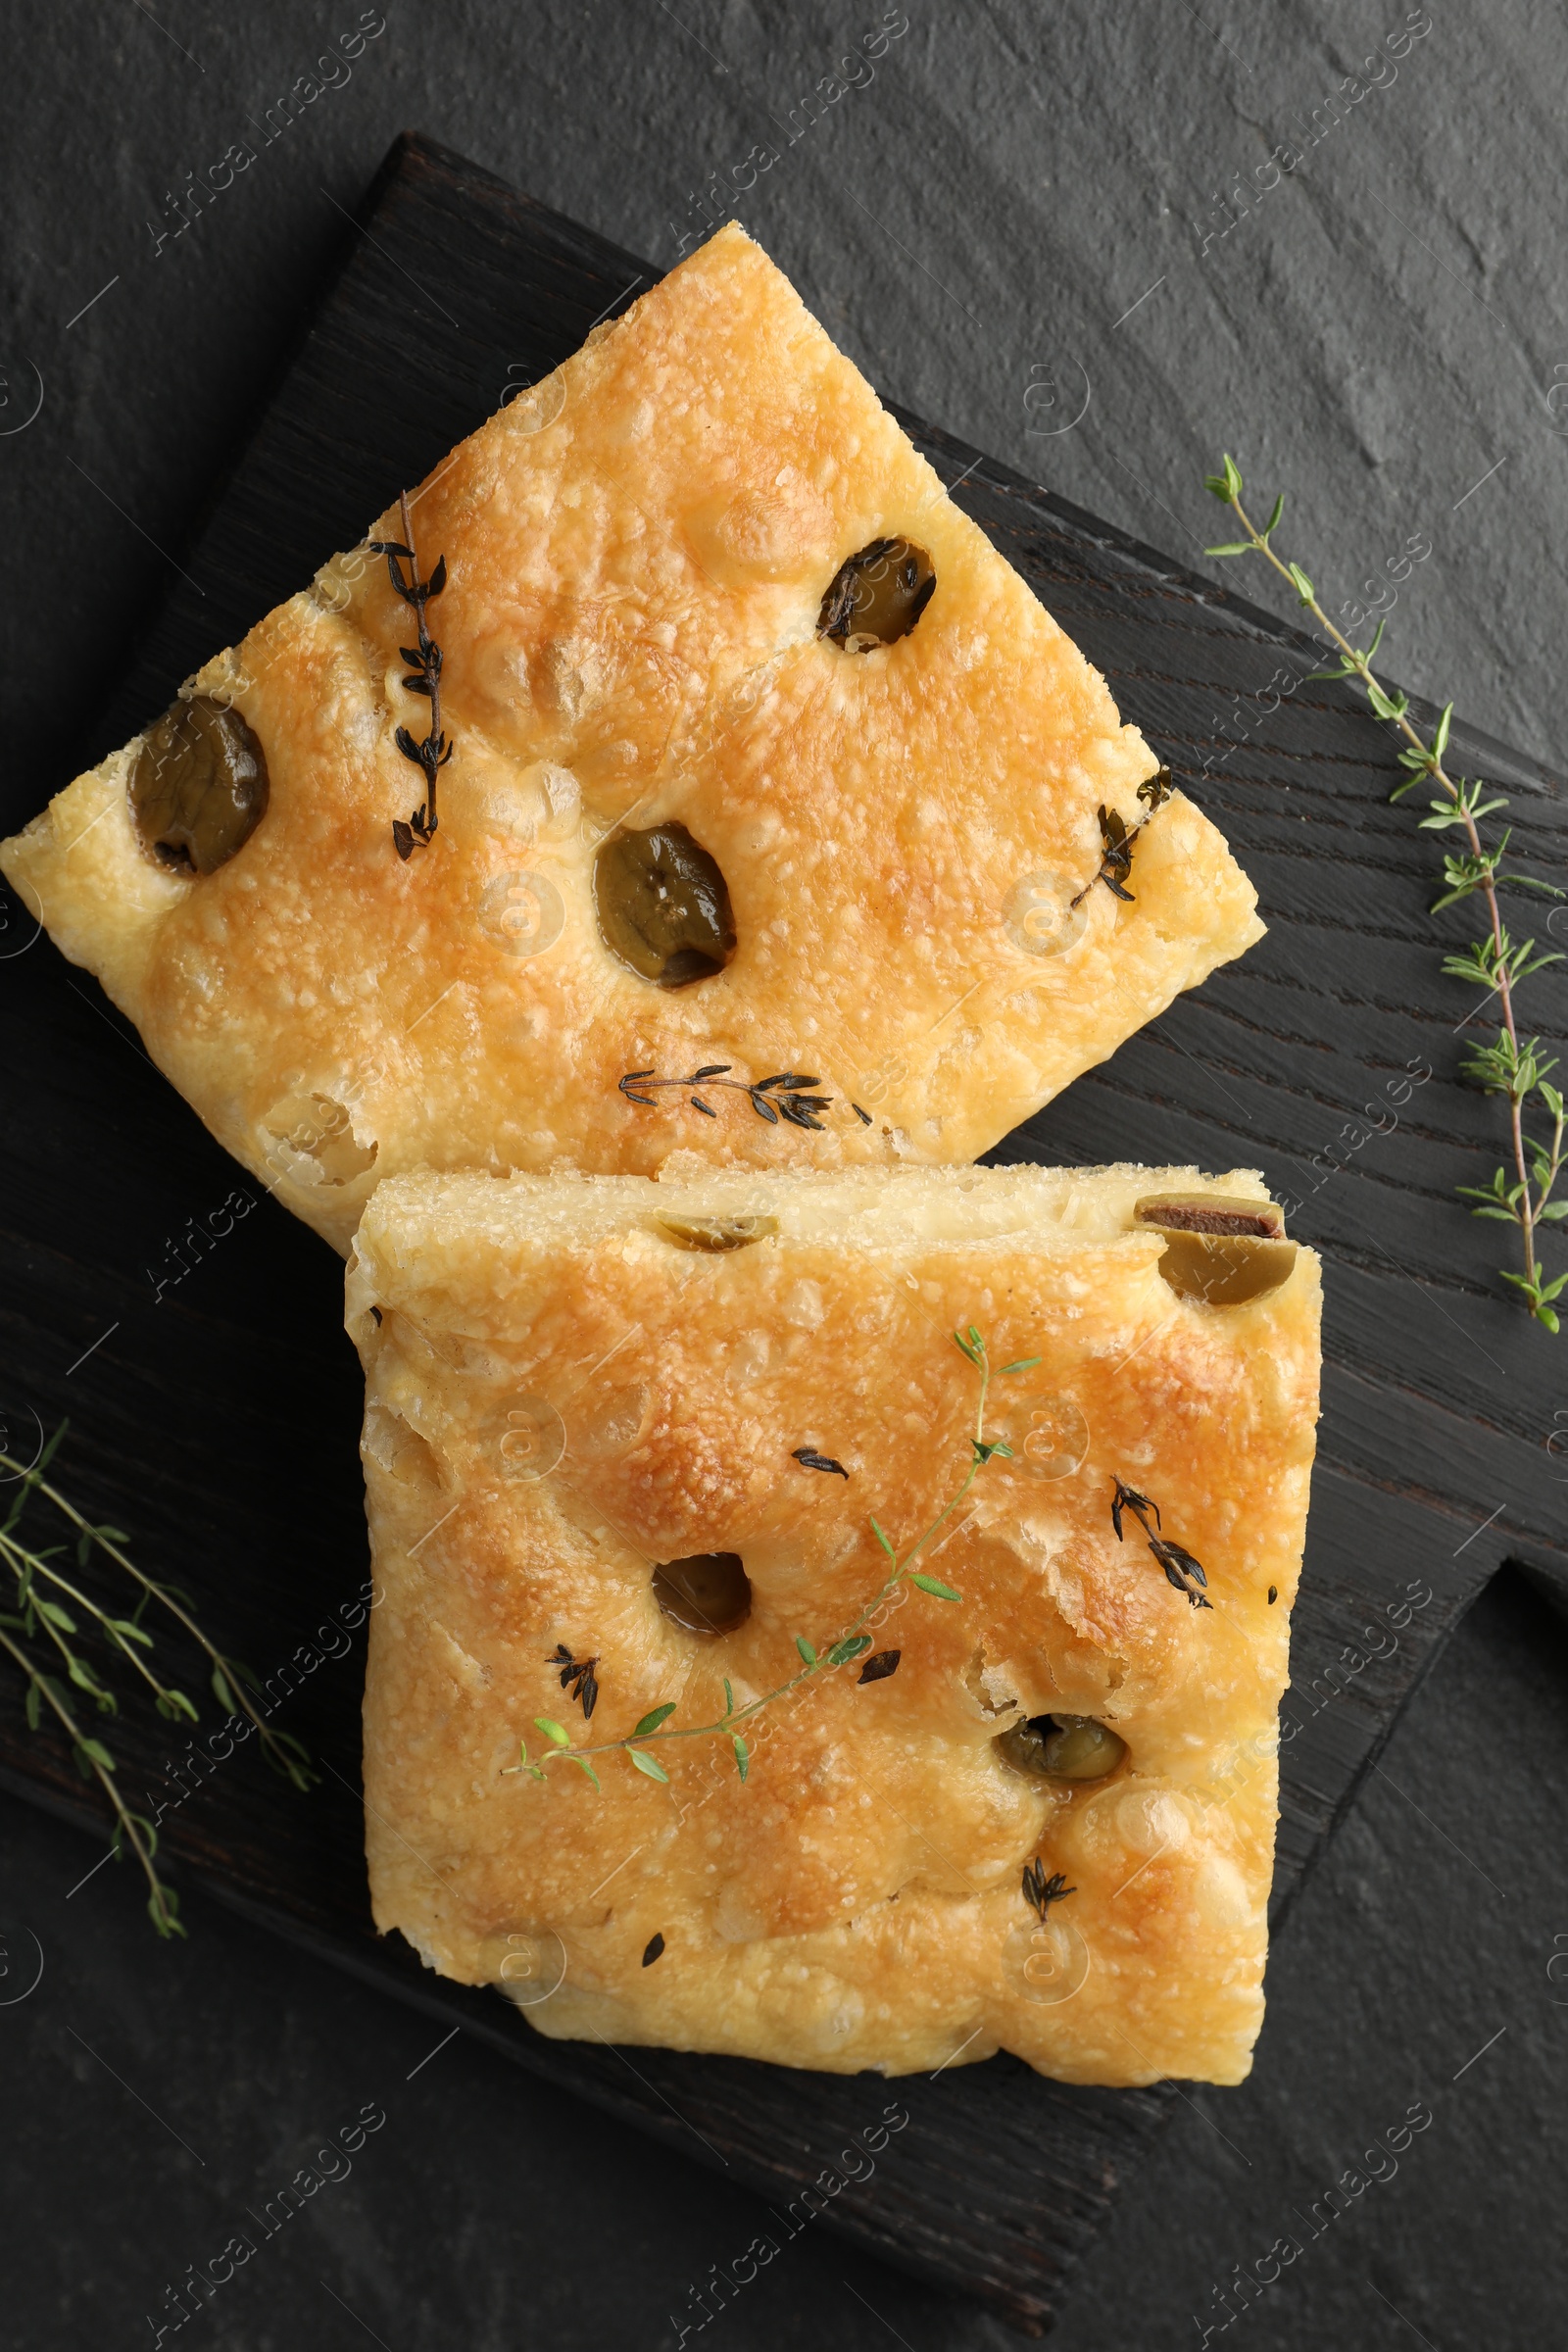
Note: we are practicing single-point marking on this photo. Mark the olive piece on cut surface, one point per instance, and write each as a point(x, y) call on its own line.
point(1211, 1212)
point(1220, 1249)
point(663, 905)
point(716, 1234)
point(199, 786)
point(708, 1592)
point(1063, 1748)
point(1224, 1270)
point(877, 596)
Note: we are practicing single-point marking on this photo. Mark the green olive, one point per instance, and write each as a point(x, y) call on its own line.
point(1220, 1270)
point(663, 905)
point(1223, 1213)
point(1063, 1748)
point(877, 596)
point(708, 1592)
point(199, 787)
point(1220, 1249)
point(717, 1233)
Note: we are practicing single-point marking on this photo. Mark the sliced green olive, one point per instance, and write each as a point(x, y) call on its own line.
point(199, 787)
point(663, 905)
point(877, 596)
point(1211, 1212)
point(1063, 1748)
point(708, 1592)
point(1220, 1272)
point(1219, 1250)
point(717, 1233)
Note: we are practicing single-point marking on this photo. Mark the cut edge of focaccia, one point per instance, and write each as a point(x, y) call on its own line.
point(564, 1392)
point(637, 554)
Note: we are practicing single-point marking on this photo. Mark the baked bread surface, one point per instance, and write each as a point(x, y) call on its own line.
point(560, 1397)
point(637, 552)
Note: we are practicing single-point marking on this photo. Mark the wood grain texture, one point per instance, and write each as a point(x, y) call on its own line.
point(220, 1424)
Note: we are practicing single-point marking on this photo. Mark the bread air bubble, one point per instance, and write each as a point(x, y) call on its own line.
point(310, 1137)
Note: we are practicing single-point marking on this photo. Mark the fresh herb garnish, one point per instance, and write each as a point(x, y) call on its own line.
point(1040, 1891)
point(1497, 962)
point(424, 660)
point(843, 1651)
point(1117, 837)
point(576, 1676)
point(1181, 1569)
point(773, 1099)
point(41, 1614)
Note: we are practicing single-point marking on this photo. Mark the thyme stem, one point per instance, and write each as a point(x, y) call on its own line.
point(27, 1565)
point(424, 658)
point(1513, 1070)
point(277, 1749)
point(433, 766)
point(161, 1902)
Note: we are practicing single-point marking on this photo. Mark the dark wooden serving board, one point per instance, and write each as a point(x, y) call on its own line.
point(219, 1423)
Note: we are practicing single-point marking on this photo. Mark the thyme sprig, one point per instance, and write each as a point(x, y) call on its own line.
point(842, 1650)
point(781, 1096)
point(1520, 1194)
point(1116, 839)
point(424, 662)
point(1040, 1891)
point(579, 1676)
point(42, 1617)
point(1181, 1569)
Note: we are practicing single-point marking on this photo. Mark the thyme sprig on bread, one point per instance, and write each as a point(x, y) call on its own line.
point(780, 1097)
point(843, 1650)
point(1117, 837)
point(432, 755)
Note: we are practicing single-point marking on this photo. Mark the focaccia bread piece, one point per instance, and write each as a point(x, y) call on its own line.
point(649, 641)
point(625, 1443)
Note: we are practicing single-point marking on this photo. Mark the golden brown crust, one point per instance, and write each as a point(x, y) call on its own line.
point(558, 1396)
point(636, 553)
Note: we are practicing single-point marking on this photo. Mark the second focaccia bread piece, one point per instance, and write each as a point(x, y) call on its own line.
point(624, 1446)
point(762, 757)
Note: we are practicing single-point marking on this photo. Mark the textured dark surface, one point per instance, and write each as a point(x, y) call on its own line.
point(1341, 996)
